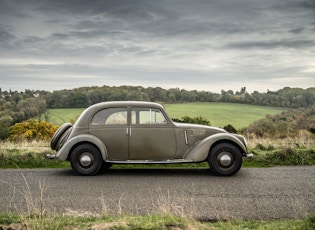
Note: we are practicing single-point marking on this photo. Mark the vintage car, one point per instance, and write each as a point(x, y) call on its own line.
point(137, 132)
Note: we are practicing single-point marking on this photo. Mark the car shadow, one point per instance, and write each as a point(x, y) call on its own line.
point(158, 172)
point(153, 172)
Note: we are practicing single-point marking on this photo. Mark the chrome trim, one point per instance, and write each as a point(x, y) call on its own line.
point(85, 160)
point(225, 160)
point(169, 161)
point(50, 156)
point(186, 138)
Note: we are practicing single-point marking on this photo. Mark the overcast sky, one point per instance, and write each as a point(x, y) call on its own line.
point(191, 44)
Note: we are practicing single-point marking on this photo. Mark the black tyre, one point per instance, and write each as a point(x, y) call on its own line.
point(86, 160)
point(58, 134)
point(106, 165)
point(225, 159)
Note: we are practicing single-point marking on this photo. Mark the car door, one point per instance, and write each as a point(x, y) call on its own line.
point(111, 126)
point(151, 137)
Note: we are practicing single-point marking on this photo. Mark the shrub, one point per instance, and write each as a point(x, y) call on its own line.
point(230, 129)
point(290, 156)
point(193, 120)
point(32, 130)
point(260, 146)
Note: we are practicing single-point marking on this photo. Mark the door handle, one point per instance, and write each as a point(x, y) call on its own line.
point(128, 131)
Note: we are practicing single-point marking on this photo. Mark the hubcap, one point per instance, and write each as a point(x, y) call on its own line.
point(85, 160)
point(225, 159)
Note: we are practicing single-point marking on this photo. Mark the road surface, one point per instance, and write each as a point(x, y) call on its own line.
point(253, 193)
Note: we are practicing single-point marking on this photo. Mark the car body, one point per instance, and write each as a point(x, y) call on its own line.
point(134, 132)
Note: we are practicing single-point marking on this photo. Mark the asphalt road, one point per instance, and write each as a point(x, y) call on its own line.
point(253, 193)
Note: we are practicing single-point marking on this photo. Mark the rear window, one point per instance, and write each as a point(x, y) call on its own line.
point(110, 116)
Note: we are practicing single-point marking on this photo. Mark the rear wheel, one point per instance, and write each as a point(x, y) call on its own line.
point(225, 159)
point(86, 160)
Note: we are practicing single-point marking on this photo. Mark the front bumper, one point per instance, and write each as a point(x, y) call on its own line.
point(249, 155)
point(51, 156)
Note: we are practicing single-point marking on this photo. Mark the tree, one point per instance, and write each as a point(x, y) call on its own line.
point(5, 123)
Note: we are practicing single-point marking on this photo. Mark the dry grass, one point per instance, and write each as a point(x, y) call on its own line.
point(25, 146)
point(303, 140)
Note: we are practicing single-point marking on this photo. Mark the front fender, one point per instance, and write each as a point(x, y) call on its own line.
point(199, 152)
point(64, 152)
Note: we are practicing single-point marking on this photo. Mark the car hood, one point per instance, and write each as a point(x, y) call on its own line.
point(201, 127)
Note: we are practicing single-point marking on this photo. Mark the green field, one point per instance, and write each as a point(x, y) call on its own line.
point(60, 116)
point(219, 114)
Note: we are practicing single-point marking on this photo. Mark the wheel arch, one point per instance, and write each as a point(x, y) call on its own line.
point(59, 134)
point(201, 150)
point(242, 150)
point(65, 152)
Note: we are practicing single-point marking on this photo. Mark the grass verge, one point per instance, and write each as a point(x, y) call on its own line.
point(15, 158)
point(267, 153)
point(13, 221)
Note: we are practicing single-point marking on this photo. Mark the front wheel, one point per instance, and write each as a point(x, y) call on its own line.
point(225, 159)
point(86, 160)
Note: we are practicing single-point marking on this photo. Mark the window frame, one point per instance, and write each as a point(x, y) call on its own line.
point(121, 109)
point(135, 116)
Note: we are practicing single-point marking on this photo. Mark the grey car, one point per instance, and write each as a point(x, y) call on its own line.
point(134, 132)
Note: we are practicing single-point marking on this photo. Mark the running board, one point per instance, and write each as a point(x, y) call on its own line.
point(151, 161)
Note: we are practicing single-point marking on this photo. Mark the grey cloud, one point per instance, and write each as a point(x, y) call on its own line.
point(126, 9)
point(305, 5)
point(6, 38)
point(273, 44)
point(178, 42)
point(297, 30)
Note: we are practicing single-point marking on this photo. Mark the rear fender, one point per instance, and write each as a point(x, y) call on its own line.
point(200, 151)
point(64, 152)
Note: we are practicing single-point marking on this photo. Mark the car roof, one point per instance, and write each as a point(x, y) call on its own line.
point(90, 111)
point(125, 103)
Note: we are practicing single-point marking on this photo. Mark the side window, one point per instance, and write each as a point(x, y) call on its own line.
point(111, 116)
point(142, 116)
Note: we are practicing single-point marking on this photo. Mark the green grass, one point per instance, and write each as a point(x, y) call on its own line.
point(15, 158)
point(60, 116)
point(219, 114)
point(143, 222)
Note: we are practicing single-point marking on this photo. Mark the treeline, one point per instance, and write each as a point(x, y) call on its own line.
point(85, 96)
point(20, 106)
